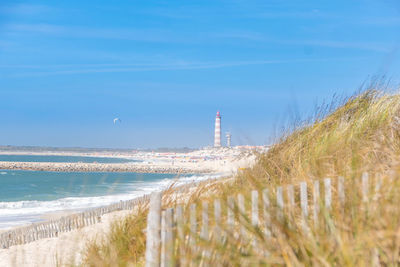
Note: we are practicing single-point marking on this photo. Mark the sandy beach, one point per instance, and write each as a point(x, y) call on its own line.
point(67, 247)
point(64, 250)
point(199, 161)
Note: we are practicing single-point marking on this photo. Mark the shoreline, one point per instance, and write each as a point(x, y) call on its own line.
point(70, 245)
point(57, 214)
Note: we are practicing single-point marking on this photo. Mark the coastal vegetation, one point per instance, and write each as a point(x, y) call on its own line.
point(344, 139)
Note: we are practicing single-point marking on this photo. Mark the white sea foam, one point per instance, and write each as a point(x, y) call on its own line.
point(23, 212)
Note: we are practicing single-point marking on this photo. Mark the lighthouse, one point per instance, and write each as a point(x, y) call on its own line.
point(228, 139)
point(217, 133)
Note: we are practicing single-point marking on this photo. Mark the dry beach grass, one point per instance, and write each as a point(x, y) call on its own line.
point(362, 134)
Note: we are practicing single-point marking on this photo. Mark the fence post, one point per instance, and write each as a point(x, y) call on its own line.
point(254, 208)
point(181, 234)
point(303, 200)
point(328, 193)
point(280, 203)
point(217, 218)
point(290, 193)
point(304, 207)
point(365, 186)
point(378, 185)
point(179, 223)
point(341, 193)
point(316, 201)
point(375, 258)
point(204, 216)
point(291, 205)
point(230, 212)
point(204, 231)
point(169, 239)
point(163, 234)
point(242, 214)
point(153, 231)
point(193, 224)
point(193, 231)
point(254, 213)
point(267, 216)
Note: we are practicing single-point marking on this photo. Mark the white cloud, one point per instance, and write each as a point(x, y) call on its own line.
point(371, 46)
point(146, 35)
point(119, 68)
point(158, 35)
point(353, 44)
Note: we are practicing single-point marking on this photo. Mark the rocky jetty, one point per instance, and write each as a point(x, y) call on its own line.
point(101, 167)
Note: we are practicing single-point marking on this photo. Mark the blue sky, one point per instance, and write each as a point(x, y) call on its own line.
point(67, 68)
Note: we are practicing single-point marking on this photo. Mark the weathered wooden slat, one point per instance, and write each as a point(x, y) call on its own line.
point(153, 241)
point(242, 215)
point(328, 193)
point(193, 224)
point(254, 213)
point(169, 239)
point(163, 237)
point(304, 199)
point(316, 198)
point(217, 219)
point(290, 194)
point(266, 212)
point(204, 226)
point(280, 203)
point(378, 186)
point(230, 212)
point(341, 193)
point(180, 223)
point(204, 234)
point(67, 223)
point(181, 234)
point(254, 208)
point(365, 186)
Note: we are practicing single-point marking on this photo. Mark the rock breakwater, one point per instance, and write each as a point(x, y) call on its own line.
point(101, 167)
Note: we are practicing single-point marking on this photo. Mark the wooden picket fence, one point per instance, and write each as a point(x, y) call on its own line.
point(53, 228)
point(174, 232)
point(68, 223)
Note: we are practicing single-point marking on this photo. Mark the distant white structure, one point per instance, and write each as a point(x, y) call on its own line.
point(217, 133)
point(228, 139)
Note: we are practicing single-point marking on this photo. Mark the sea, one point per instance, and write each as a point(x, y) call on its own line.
point(67, 159)
point(27, 196)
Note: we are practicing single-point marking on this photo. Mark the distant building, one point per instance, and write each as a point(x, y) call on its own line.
point(217, 133)
point(228, 139)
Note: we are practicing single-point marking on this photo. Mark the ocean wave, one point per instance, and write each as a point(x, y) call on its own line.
point(19, 212)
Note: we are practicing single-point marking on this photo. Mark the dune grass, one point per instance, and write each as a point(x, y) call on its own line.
point(362, 134)
point(125, 243)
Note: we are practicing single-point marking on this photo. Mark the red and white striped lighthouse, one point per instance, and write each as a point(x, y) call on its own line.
point(217, 133)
